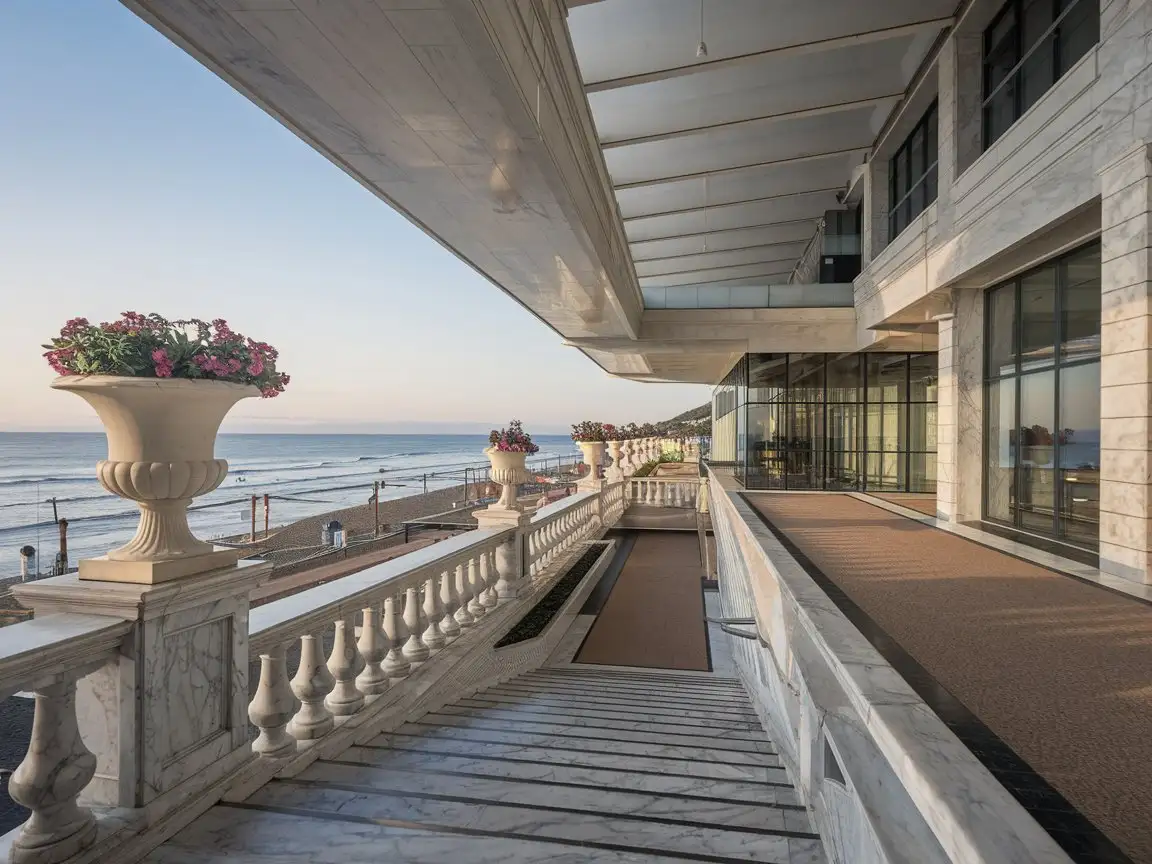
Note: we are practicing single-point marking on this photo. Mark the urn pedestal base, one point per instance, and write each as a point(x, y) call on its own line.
point(103, 569)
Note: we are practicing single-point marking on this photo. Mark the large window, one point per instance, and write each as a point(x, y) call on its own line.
point(837, 421)
point(912, 174)
point(1042, 400)
point(1028, 46)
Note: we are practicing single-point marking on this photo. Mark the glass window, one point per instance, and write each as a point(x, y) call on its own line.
point(1038, 319)
point(805, 377)
point(887, 377)
point(912, 174)
point(844, 378)
point(767, 377)
point(1080, 309)
point(1079, 479)
point(923, 376)
point(1042, 409)
point(1000, 449)
point(1027, 48)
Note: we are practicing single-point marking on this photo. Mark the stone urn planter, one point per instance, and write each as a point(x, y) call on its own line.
point(161, 438)
point(616, 451)
point(593, 457)
point(509, 471)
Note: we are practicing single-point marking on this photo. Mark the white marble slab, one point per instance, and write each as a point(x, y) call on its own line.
point(544, 753)
point(636, 834)
point(617, 775)
point(565, 706)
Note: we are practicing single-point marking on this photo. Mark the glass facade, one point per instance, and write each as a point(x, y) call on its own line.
point(1028, 46)
point(912, 174)
point(830, 421)
point(1042, 400)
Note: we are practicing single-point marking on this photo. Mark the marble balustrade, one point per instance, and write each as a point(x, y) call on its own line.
point(674, 492)
point(47, 656)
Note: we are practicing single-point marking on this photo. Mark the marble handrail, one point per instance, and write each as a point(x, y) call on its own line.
point(52, 646)
point(47, 656)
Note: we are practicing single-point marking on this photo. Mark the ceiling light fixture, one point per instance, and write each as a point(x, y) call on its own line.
point(702, 48)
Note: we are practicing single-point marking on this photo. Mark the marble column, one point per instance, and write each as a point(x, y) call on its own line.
point(960, 408)
point(1126, 361)
point(510, 564)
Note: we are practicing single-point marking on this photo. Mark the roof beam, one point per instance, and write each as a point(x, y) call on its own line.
point(711, 231)
point(801, 243)
point(766, 276)
point(789, 260)
point(613, 345)
point(721, 205)
point(793, 50)
point(719, 172)
point(801, 114)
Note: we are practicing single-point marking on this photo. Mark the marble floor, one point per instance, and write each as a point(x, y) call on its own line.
point(569, 763)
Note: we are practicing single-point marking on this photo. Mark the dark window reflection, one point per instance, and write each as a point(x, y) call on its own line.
point(1042, 403)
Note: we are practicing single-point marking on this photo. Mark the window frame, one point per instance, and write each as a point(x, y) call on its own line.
point(1023, 54)
point(1017, 375)
point(931, 160)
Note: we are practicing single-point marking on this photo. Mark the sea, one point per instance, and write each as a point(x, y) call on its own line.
point(304, 475)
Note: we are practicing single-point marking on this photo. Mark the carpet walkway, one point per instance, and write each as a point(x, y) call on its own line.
point(1059, 670)
point(655, 614)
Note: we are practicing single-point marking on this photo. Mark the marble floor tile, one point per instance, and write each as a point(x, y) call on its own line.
point(573, 707)
point(636, 834)
point(230, 835)
point(570, 728)
point(604, 721)
point(430, 729)
point(548, 753)
point(587, 798)
point(722, 696)
point(614, 777)
point(716, 710)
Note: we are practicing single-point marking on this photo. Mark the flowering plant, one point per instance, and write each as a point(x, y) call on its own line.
point(513, 439)
point(589, 430)
point(149, 346)
point(611, 433)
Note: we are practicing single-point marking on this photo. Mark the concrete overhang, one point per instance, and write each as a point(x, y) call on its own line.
point(577, 153)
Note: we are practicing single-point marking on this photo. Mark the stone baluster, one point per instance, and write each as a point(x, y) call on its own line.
point(508, 581)
point(345, 664)
point(273, 705)
point(476, 584)
point(311, 685)
point(373, 646)
point(463, 617)
point(395, 664)
point(532, 551)
point(675, 490)
point(51, 777)
point(489, 573)
point(450, 598)
point(414, 649)
point(434, 637)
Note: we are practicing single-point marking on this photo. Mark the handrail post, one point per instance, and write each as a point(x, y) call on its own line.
point(188, 649)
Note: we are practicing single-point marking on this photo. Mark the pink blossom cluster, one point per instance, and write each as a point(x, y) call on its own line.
point(152, 346)
point(513, 439)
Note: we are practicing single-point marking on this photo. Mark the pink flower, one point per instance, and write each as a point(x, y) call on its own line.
point(56, 360)
point(234, 365)
point(256, 367)
point(161, 363)
point(213, 365)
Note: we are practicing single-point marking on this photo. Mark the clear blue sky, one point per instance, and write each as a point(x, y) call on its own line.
point(132, 178)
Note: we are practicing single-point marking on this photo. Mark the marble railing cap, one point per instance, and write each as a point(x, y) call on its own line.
point(52, 645)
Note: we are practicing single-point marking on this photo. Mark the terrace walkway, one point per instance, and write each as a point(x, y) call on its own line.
point(1046, 678)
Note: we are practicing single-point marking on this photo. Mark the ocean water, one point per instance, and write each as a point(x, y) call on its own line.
point(305, 474)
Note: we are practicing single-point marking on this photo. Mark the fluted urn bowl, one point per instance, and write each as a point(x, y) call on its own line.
point(509, 471)
point(616, 470)
point(161, 439)
point(593, 456)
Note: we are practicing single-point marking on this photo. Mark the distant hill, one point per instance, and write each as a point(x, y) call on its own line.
point(704, 412)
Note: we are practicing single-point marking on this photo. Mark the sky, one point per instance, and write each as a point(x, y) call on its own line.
point(132, 178)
